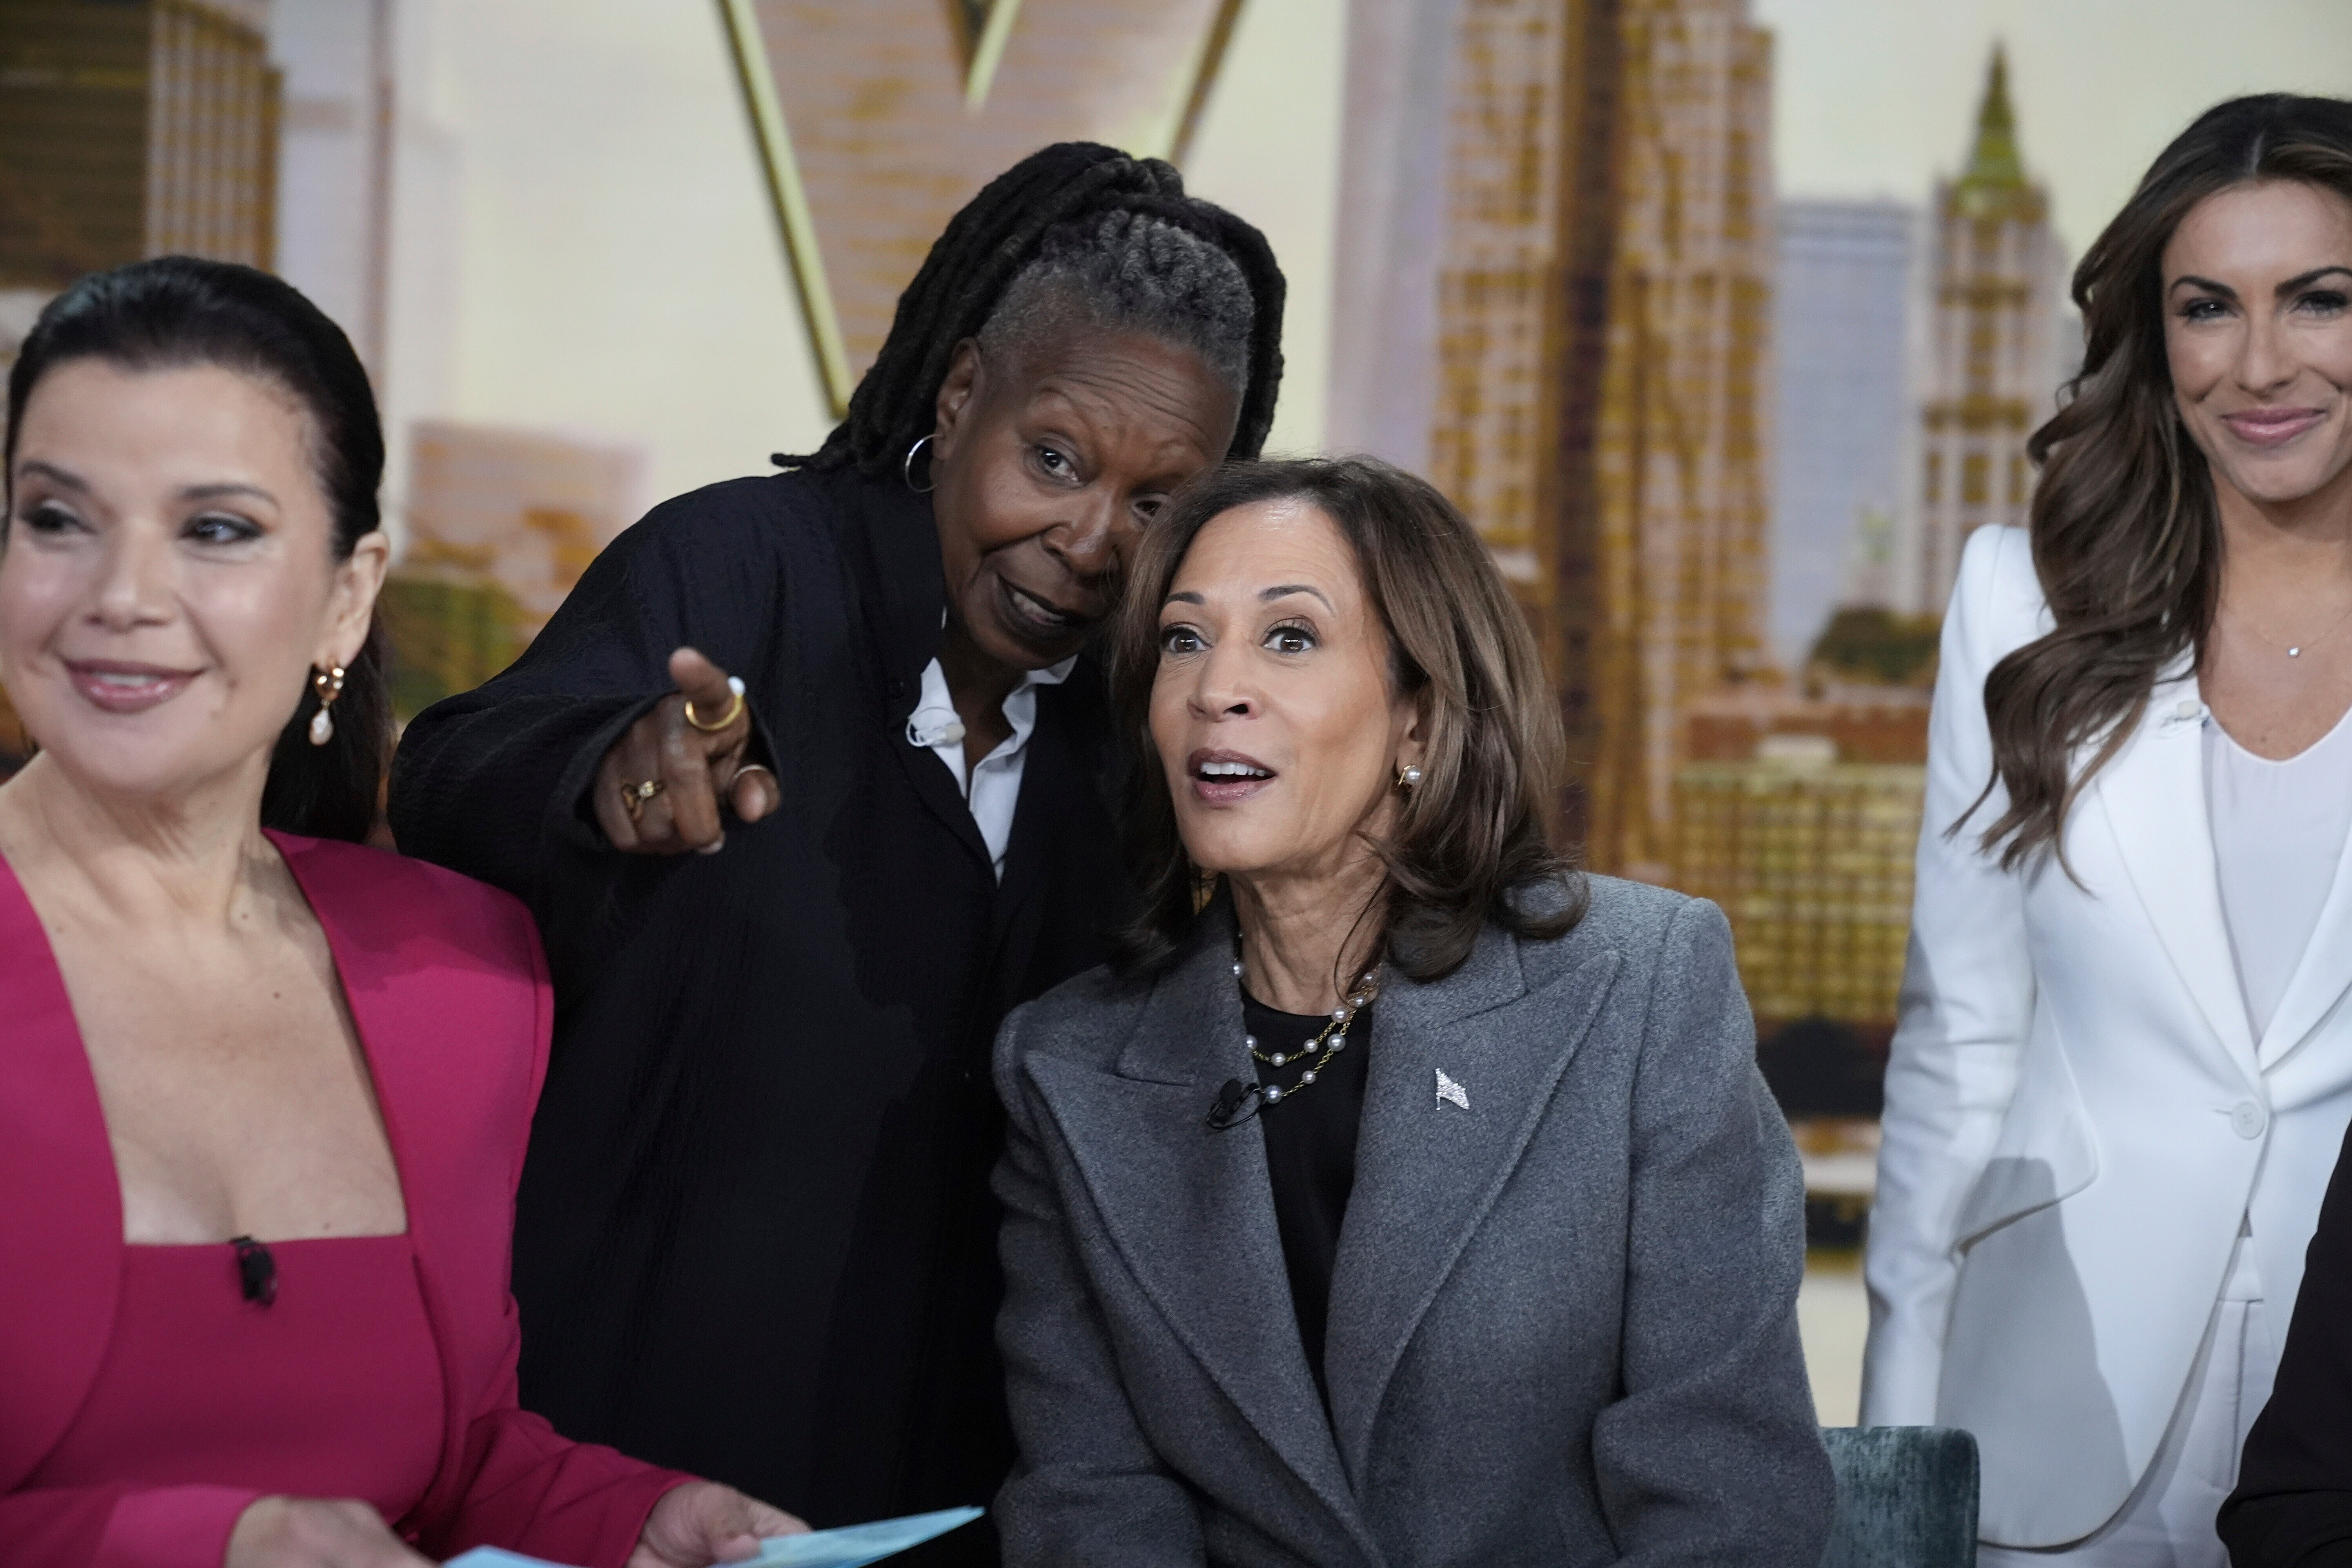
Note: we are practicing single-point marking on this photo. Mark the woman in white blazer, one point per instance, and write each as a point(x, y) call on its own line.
point(2124, 1067)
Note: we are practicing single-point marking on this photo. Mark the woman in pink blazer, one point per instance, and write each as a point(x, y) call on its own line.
point(264, 1095)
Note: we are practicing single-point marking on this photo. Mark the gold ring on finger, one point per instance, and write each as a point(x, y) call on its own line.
point(633, 795)
point(712, 726)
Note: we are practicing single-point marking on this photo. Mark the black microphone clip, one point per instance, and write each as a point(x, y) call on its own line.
point(1226, 1110)
point(256, 1271)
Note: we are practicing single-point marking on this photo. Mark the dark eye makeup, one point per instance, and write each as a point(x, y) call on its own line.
point(1180, 639)
point(47, 517)
point(221, 528)
point(1291, 637)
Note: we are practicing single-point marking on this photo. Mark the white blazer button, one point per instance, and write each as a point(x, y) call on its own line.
point(2187, 709)
point(2246, 1120)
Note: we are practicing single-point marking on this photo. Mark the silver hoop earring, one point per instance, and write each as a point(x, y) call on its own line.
point(906, 469)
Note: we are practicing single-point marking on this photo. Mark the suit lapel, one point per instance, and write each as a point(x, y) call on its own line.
point(2321, 977)
point(1190, 1211)
point(1053, 773)
point(401, 1042)
point(936, 788)
point(895, 557)
point(1428, 1167)
point(2153, 794)
point(455, 1114)
point(64, 1219)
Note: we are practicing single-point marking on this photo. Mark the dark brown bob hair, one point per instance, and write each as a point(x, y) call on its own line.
point(1472, 844)
point(2126, 533)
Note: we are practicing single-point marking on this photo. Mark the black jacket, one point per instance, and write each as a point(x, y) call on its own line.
point(2294, 1502)
point(754, 1238)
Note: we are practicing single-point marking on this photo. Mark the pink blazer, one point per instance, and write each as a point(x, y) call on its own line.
point(451, 996)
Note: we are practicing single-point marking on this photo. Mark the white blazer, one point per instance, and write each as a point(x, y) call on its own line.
point(2078, 1115)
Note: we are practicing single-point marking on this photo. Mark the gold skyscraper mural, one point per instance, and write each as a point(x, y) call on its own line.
point(1994, 360)
point(1604, 323)
point(1683, 458)
point(146, 129)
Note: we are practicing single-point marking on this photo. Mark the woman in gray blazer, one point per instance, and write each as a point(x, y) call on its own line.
point(1405, 1198)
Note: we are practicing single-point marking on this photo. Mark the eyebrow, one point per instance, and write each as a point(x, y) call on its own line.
point(73, 481)
point(228, 487)
point(2302, 280)
point(1265, 596)
point(1284, 591)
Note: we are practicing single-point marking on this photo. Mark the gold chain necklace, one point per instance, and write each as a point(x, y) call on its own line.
point(1332, 1041)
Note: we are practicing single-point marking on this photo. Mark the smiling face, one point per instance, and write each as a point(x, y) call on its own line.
point(2258, 334)
point(1274, 710)
point(169, 577)
point(1048, 464)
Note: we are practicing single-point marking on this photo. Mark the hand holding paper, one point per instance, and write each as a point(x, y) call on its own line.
point(703, 1523)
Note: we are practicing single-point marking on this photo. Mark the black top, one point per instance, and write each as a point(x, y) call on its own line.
point(2294, 1502)
point(754, 1238)
point(1310, 1153)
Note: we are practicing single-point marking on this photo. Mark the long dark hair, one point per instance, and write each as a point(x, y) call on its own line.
point(2126, 533)
point(179, 310)
point(987, 244)
point(1472, 841)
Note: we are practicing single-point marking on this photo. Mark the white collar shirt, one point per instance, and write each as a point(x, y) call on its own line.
point(991, 790)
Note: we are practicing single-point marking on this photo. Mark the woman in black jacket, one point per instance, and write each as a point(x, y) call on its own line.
point(754, 1237)
point(2292, 1507)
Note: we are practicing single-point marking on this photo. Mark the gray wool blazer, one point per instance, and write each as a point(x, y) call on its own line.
point(1563, 1320)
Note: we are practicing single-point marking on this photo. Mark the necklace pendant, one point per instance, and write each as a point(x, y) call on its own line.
point(2294, 653)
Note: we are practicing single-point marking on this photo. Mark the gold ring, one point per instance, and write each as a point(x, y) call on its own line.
point(712, 726)
point(635, 796)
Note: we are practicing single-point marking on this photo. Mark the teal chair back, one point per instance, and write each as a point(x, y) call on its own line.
point(1906, 1497)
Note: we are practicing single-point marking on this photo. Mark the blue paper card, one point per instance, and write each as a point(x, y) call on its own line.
point(852, 1546)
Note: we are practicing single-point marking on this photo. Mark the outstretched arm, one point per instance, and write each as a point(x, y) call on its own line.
point(503, 782)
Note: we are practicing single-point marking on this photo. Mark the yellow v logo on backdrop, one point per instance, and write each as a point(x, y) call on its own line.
point(986, 26)
point(876, 119)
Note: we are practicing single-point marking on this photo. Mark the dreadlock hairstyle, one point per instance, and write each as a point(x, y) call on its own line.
point(1076, 230)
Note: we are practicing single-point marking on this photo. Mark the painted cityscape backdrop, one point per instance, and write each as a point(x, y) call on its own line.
point(1725, 446)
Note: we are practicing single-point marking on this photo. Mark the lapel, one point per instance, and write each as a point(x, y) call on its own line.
point(2321, 977)
point(63, 1217)
point(1041, 813)
point(1427, 1170)
point(2153, 794)
point(1062, 783)
point(1190, 1211)
point(414, 1009)
point(897, 555)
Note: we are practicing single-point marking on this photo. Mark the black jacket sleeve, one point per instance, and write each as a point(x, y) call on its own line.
point(493, 782)
point(2292, 1507)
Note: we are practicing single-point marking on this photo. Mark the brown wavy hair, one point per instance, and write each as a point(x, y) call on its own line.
point(2125, 530)
point(1472, 843)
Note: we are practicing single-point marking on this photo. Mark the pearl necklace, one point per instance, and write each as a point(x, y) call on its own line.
point(1332, 1041)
